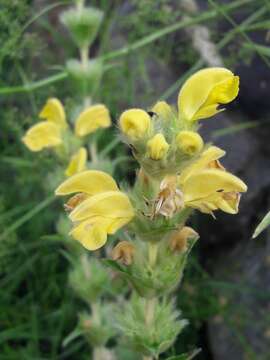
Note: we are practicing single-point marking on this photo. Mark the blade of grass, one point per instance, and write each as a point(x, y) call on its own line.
point(235, 128)
point(262, 225)
point(265, 50)
point(223, 12)
point(28, 216)
point(43, 12)
point(206, 16)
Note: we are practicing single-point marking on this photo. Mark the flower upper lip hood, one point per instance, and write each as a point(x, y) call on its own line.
point(103, 209)
point(47, 133)
point(201, 94)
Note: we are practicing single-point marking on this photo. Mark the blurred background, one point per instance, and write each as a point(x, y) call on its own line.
point(226, 290)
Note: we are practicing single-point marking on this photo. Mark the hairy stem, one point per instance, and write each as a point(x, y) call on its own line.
point(150, 303)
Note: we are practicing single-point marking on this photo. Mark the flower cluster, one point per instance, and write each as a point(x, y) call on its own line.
point(179, 173)
point(179, 170)
point(54, 132)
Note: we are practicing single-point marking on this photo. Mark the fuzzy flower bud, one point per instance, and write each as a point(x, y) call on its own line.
point(135, 123)
point(189, 142)
point(179, 240)
point(162, 109)
point(157, 147)
point(123, 252)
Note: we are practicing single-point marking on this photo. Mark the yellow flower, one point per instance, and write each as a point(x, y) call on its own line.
point(189, 142)
point(49, 133)
point(162, 109)
point(206, 185)
point(54, 111)
point(45, 134)
point(91, 119)
point(135, 123)
point(77, 162)
point(204, 91)
point(157, 147)
point(101, 208)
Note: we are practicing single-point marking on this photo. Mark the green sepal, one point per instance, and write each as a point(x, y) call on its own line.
point(156, 337)
point(159, 280)
point(98, 331)
point(83, 24)
point(89, 279)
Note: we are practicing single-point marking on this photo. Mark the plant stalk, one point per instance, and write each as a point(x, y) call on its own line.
point(151, 303)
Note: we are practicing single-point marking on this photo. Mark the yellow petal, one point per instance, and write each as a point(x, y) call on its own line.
point(91, 119)
point(54, 111)
point(189, 142)
point(77, 162)
point(230, 202)
point(90, 182)
point(209, 182)
point(91, 235)
point(118, 224)
point(157, 147)
point(42, 135)
point(111, 204)
point(163, 110)
point(211, 154)
point(135, 123)
point(204, 91)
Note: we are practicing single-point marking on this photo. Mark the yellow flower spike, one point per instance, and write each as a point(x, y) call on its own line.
point(110, 204)
point(135, 123)
point(204, 91)
point(54, 111)
point(77, 162)
point(42, 135)
point(157, 147)
point(90, 182)
point(163, 109)
point(189, 142)
point(91, 119)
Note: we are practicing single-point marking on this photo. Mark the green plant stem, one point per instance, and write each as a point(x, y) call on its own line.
point(126, 50)
point(98, 353)
point(151, 303)
point(152, 253)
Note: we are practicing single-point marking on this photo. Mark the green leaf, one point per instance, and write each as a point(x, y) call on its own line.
point(186, 356)
point(262, 225)
point(265, 50)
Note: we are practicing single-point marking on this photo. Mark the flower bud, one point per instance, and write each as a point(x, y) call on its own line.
point(135, 123)
point(157, 147)
point(123, 252)
point(179, 240)
point(82, 24)
point(162, 109)
point(189, 142)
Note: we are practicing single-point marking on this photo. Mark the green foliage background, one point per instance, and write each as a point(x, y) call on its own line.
point(38, 310)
